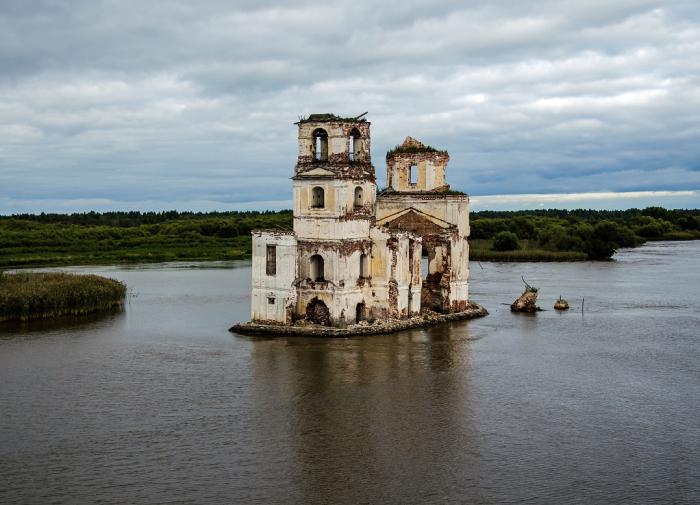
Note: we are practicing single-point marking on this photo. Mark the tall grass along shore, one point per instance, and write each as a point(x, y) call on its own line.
point(31, 295)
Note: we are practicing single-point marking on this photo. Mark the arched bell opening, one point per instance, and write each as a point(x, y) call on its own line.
point(320, 145)
point(354, 145)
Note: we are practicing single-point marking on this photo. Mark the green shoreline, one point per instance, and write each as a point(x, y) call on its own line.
point(47, 240)
point(129, 258)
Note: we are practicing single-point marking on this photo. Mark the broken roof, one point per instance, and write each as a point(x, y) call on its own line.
point(327, 117)
point(411, 146)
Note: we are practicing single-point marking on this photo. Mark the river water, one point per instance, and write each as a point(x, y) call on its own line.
point(158, 403)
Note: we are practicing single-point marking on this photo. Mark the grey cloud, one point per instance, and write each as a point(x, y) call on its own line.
point(126, 101)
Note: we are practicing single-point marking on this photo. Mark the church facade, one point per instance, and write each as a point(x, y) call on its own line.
point(356, 254)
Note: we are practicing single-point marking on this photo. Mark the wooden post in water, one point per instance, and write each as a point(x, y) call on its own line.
point(583, 300)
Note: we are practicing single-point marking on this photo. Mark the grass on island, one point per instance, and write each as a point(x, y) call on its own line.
point(137, 237)
point(33, 295)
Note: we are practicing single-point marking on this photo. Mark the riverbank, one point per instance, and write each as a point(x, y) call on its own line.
point(32, 295)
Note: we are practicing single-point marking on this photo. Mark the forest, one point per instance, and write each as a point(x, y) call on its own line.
point(122, 237)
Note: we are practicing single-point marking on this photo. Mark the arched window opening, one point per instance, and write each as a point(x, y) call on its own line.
point(359, 202)
point(316, 269)
point(364, 266)
point(320, 144)
point(354, 144)
point(317, 198)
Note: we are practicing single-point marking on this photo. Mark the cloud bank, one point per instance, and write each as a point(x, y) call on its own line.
point(120, 104)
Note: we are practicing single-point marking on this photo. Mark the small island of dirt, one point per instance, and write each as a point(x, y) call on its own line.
point(34, 295)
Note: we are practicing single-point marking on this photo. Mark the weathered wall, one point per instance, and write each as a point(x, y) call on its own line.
point(395, 273)
point(339, 198)
point(342, 288)
point(429, 175)
point(278, 287)
point(338, 141)
point(443, 222)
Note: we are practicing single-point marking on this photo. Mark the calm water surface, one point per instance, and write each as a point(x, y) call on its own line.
point(158, 403)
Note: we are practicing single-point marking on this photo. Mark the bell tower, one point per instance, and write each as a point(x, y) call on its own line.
point(334, 202)
point(334, 179)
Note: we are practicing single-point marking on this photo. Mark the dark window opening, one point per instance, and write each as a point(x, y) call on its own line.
point(317, 198)
point(316, 272)
point(360, 312)
point(320, 145)
point(271, 300)
point(424, 264)
point(358, 197)
point(271, 267)
point(364, 266)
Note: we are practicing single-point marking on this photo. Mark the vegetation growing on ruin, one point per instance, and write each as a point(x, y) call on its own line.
point(412, 149)
point(332, 117)
point(122, 237)
point(31, 295)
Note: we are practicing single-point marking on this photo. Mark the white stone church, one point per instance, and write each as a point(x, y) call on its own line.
point(354, 253)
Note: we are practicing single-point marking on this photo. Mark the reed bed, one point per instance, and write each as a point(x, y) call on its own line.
point(525, 255)
point(33, 295)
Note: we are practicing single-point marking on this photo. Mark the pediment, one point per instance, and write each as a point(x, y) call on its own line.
point(317, 172)
point(415, 221)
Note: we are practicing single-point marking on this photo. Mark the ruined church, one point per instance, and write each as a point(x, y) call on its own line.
point(356, 254)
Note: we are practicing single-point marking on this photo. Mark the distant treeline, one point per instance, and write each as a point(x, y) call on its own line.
point(115, 237)
point(137, 218)
point(595, 233)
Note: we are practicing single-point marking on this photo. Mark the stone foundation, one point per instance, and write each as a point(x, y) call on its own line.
point(472, 311)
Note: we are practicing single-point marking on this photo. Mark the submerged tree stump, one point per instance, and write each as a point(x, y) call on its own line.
point(527, 302)
point(561, 304)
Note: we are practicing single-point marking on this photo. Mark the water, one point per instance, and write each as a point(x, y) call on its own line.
point(160, 404)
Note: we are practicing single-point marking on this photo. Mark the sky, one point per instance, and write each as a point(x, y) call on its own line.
point(157, 105)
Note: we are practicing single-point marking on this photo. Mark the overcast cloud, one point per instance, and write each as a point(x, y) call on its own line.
point(177, 104)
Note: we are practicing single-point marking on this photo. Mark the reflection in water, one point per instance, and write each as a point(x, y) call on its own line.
point(66, 325)
point(393, 404)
